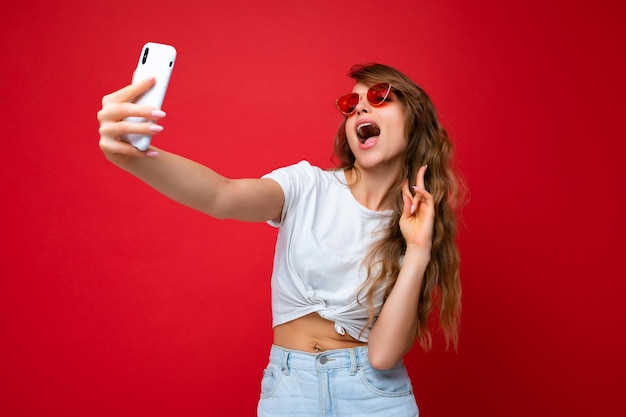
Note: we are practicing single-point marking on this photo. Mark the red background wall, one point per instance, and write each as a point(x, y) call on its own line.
point(116, 301)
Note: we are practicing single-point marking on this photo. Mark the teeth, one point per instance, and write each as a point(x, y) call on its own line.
point(367, 130)
point(359, 128)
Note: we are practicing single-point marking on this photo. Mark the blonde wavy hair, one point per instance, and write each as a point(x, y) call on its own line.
point(428, 143)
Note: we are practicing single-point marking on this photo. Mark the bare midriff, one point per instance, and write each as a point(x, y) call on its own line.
point(312, 333)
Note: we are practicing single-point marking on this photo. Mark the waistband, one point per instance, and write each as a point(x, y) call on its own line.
point(349, 358)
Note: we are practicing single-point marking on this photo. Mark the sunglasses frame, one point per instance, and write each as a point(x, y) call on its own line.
point(348, 97)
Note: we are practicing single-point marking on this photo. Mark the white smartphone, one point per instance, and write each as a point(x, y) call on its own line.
point(156, 60)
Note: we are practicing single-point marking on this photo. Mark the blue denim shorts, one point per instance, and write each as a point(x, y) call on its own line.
point(333, 383)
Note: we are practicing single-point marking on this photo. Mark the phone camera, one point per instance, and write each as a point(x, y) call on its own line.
point(145, 56)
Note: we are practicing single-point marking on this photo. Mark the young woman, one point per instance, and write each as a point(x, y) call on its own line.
point(364, 251)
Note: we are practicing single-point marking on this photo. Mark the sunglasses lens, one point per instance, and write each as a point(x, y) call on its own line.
point(378, 93)
point(347, 104)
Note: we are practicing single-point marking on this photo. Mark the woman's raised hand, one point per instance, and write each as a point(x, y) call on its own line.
point(418, 217)
point(115, 108)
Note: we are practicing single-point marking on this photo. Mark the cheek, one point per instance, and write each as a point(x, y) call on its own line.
point(397, 127)
point(350, 124)
point(350, 130)
point(396, 119)
point(401, 127)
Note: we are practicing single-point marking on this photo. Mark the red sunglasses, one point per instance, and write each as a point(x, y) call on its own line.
point(376, 95)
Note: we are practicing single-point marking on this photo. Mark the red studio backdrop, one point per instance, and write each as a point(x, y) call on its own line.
point(115, 301)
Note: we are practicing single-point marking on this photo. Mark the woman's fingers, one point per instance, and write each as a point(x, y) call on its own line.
point(118, 111)
point(416, 223)
point(119, 116)
point(128, 127)
point(407, 197)
point(128, 93)
point(118, 105)
point(111, 147)
point(419, 194)
point(420, 177)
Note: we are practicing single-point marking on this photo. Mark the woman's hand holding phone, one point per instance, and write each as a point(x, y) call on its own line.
point(129, 114)
point(118, 106)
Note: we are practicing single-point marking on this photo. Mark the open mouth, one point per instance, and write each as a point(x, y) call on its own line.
point(364, 131)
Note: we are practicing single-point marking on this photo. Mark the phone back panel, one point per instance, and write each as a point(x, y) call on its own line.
point(156, 60)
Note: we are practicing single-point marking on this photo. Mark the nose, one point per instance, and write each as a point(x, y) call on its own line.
point(364, 105)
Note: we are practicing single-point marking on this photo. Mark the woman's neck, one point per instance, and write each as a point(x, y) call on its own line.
point(371, 189)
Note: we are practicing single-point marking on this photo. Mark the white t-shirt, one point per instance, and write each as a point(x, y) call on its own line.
point(324, 236)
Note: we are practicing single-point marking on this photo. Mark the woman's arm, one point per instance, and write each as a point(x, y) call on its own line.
point(181, 179)
point(394, 332)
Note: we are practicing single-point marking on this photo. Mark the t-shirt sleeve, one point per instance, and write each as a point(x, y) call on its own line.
point(294, 180)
